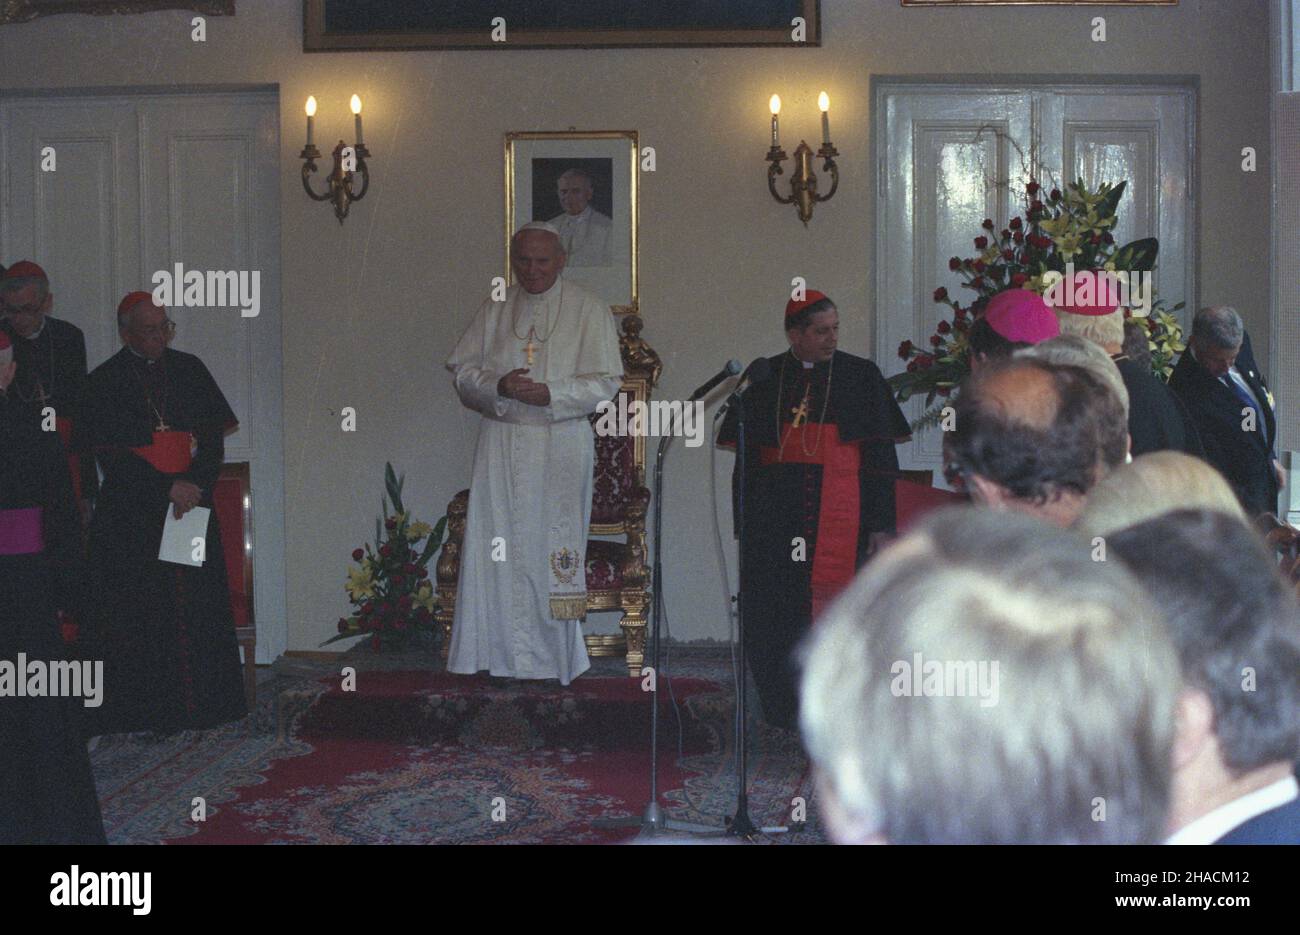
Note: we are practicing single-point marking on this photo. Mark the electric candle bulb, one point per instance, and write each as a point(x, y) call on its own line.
point(824, 104)
point(356, 109)
point(775, 105)
point(311, 119)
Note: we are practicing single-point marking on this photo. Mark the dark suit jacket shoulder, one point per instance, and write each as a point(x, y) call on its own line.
point(1280, 825)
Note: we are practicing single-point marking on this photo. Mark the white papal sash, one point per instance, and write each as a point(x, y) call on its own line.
point(568, 535)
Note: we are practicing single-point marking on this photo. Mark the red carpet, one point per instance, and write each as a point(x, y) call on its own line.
point(418, 757)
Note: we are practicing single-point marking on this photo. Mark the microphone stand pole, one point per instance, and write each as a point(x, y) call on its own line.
point(740, 825)
point(652, 821)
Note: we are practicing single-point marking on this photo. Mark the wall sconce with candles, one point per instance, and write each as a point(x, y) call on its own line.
point(349, 162)
point(803, 184)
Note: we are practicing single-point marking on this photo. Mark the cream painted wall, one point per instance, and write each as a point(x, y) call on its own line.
point(372, 308)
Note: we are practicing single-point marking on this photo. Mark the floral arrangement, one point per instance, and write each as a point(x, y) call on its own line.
point(1071, 226)
point(389, 587)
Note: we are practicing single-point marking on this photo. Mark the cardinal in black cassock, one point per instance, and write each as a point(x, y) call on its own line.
point(820, 468)
point(51, 357)
point(47, 792)
point(156, 421)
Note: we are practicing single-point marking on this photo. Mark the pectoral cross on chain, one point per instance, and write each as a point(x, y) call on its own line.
point(530, 348)
point(800, 412)
point(162, 425)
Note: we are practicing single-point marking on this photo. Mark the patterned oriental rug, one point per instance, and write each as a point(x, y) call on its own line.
point(422, 757)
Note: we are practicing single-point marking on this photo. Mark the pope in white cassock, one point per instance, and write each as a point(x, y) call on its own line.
point(534, 366)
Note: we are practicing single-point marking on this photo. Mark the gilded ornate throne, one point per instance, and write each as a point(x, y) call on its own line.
point(617, 576)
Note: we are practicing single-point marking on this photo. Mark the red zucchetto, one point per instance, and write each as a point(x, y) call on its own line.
point(795, 306)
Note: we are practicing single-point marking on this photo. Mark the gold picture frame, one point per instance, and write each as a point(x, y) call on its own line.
point(610, 159)
point(557, 24)
point(22, 11)
point(981, 3)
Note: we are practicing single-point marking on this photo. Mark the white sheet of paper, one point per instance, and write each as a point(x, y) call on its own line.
point(178, 536)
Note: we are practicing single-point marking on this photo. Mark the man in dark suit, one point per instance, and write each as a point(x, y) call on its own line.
point(51, 357)
point(1219, 382)
point(1236, 625)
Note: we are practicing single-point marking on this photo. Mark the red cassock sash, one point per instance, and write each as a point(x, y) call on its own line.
point(169, 453)
point(839, 516)
point(64, 427)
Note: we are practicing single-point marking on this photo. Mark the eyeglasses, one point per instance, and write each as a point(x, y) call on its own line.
point(166, 329)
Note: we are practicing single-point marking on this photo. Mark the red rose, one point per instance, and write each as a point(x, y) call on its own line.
point(940, 294)
point(981, 243)
point(423, 571)
point(1008, 254)
point(912, 365)
point(368, 608)
point(925, 362)
point(1107, 238)
point(1036, 205)
point(988, 223)
point(1006, 234)
point(1015, 224)
point(1019, 279)
point(905, 350)
point(1018, 237)
point(1055, 195)
point(385, 551)
point(1032, 188)
point(1095, 239)
point(944, 327)
point(977, 283)
point(978, 266)
point(404, 602)
point(936, 340)
point(954, 264)
point(410, 568)
point(358, 555)
point(963, 326)
point(959, 313)
point(390, 523)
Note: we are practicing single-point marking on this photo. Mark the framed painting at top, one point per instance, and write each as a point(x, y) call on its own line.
point(1040, 2)
point(20, 11)
point(379, 25)
point(585, 184)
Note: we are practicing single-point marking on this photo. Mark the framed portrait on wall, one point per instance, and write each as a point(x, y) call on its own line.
point(20, 11)
point(386, 25)
point(585, 184)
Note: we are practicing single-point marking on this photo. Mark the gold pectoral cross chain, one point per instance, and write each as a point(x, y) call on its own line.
point(800, 412)
point(529, 347)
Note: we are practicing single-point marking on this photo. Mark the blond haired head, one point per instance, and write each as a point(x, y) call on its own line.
point(1155, 484)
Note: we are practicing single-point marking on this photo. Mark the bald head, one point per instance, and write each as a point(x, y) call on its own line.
point(1031, 430)
point(537, 257)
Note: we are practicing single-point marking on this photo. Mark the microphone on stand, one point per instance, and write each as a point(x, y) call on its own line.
point(756, 372)
point(730, 370)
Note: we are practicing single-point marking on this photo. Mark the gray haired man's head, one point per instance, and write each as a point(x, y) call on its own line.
point(1218, 326)
point(984, 681)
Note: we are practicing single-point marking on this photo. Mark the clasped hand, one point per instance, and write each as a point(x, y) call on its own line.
point(514, 385)
point(184, 497)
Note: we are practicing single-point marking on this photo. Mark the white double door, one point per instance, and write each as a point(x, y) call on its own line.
point(105, 190)
point(950, 156)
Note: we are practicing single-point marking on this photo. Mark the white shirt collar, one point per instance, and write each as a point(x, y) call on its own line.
point(578, 218)
point(37, 333)
point(1210, 827)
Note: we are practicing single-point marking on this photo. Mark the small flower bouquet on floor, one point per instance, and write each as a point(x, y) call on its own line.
point(389, 587)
